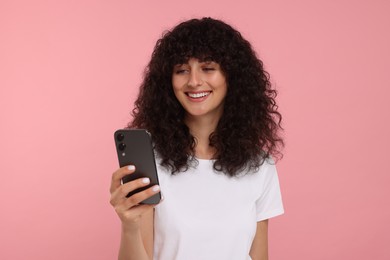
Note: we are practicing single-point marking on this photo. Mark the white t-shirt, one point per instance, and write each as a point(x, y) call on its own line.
point(209, 215)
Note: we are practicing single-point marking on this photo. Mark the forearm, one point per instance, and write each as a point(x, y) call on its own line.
point(132, 247)
point(259, 249)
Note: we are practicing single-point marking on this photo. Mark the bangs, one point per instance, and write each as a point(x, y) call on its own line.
point(198, 40)
point(202, 57)
point(205, 40)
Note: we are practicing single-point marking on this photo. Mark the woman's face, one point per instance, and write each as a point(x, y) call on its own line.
point(200, 87)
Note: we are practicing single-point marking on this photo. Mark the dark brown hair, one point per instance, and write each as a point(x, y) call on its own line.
point(247, 132)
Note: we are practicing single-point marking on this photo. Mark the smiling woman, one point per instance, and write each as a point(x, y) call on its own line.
point(211, 112)
point(200, 87)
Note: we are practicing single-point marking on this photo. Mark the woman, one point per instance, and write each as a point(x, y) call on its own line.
point(211, 111)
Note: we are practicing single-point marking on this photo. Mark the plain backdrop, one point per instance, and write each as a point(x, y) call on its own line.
point(69, 73)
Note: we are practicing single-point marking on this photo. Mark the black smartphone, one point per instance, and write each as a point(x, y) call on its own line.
point(134, 147)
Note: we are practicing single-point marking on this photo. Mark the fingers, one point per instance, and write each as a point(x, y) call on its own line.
point(141, 196)
point(119, 174)
point(121, 192)
point(129, 209)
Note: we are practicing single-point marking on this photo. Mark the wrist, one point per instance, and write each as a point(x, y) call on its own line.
point(130, 229)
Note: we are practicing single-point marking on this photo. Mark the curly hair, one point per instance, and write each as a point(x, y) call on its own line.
point(248, 130)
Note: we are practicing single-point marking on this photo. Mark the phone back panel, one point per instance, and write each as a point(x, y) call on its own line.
point(134, 147)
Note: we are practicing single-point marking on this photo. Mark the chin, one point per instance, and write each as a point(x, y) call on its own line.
point(196, 113)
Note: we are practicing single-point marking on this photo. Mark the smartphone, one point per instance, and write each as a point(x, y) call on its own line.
point(134, 147)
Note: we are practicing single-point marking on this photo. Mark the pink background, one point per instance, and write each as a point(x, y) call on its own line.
point(69, 72)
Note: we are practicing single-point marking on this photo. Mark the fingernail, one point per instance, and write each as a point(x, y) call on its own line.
point(145, 180)
point(131, 167)
point(156, 188)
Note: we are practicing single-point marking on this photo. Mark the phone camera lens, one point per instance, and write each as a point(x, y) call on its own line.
point(121, 146)
point(120, 137)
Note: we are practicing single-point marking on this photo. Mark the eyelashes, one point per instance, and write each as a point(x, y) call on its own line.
point(205, 69)
point(179, 71)
point(201, 66)
point(208, 69)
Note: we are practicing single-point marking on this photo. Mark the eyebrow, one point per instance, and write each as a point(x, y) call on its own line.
point(207, 59)
point(179, 65)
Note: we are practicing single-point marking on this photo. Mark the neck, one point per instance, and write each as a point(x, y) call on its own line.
point(201, 128)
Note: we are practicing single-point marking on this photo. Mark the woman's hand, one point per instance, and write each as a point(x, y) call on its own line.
point(128, 209)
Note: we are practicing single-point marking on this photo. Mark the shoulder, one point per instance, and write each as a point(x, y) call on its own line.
point(264, 177)
point(266, 170)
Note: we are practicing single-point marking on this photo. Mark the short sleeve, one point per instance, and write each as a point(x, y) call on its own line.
point(269, 204)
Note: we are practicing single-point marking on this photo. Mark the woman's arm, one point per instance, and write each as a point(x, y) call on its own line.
point(136, 218)
point(259, 249)
point(138, 244)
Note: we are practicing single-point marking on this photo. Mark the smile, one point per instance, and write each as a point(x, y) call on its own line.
point(199, 94)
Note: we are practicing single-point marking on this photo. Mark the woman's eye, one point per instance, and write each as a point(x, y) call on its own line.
point(208, 69)
point(180, 71)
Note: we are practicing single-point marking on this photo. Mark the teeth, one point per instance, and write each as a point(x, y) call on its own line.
point(198, 95)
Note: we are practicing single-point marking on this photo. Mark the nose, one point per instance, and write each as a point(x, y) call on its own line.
point(195, 79)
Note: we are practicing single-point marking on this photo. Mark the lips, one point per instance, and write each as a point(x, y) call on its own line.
point(197, 95)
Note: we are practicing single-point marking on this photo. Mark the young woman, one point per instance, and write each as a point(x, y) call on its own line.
point(211, 112)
